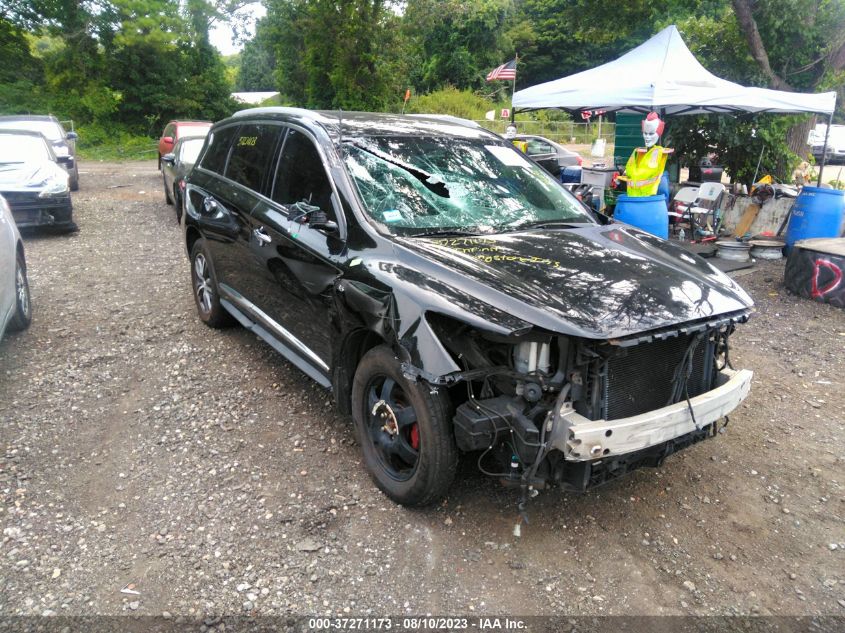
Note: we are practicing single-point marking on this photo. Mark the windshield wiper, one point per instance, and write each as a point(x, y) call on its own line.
point(545, 224)
point(444, 233)
point(431, 182)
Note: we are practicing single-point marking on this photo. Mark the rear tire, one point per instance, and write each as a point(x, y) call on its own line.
point(177, 203)
point(405, 431)
point(167, 197)
point(23, 303)
point(74, 179)
point(204, 283)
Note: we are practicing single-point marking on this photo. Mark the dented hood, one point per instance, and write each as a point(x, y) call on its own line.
point(592, 281)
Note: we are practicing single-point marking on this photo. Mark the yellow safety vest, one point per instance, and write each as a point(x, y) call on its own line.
point(522, 146)
point(644, 170)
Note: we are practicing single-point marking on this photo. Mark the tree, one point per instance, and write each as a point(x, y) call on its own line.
point(336, 54)
point(21, 74)
point(257, 67)
point(807, 53)
point(455, 43)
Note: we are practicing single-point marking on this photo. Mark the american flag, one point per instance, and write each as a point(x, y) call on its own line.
point(505, 71)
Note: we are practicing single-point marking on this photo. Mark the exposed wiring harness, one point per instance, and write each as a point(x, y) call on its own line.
point(680, 379)
point(723, 339)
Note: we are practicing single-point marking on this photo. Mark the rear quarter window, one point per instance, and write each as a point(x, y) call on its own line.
point(252, 148)
point(217, 150)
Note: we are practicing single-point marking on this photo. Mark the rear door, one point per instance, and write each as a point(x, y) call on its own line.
point(233, 172)
point(299, 263)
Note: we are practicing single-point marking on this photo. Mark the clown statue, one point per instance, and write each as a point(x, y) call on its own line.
point(644, 169)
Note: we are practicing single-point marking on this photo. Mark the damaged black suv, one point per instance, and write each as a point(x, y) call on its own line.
point(458, 300)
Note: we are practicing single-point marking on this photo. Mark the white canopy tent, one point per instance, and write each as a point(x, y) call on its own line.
point(663, 75)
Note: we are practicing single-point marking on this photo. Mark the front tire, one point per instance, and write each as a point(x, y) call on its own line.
point(404, 430)
point(23, 303)
point(204, 283)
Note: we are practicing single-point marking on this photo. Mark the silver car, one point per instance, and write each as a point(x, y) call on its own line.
point(551, 156)
point(62, 142)
point(15, 304)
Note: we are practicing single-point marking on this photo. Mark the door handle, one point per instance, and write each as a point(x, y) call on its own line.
point(261, 236)
point(209, 205)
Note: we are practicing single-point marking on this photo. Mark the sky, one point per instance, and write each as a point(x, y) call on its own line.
point(221, 33)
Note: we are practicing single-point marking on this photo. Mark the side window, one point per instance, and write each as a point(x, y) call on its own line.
point(300, 175)
point(252, 150)
point(214, 158)
point(169, 130)
point(538, 147)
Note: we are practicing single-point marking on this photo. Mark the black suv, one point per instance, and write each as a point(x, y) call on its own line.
point(457, 299)
point(63, 143)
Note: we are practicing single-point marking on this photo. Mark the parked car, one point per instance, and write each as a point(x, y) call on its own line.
point(551, 156)
point(175, 130)
point(176, 165)
point(456, 298)
point(32, 182)
point(15, 304)
point(835, 143)
point(63, 143)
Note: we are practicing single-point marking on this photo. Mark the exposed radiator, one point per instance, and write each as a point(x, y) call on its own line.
point(641, 380)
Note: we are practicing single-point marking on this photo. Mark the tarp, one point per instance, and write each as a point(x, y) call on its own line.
point(663, 75)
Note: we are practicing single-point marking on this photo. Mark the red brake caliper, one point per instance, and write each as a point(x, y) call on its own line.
point(415, 436)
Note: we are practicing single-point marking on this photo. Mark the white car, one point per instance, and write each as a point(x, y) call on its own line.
point(15, 304)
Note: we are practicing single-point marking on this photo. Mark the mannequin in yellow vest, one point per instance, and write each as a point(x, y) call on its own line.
point(510, 134)
point(645, 167)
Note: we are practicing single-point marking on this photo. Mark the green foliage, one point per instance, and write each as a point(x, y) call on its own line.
point(20, 73)
point(135, 63)
point(838, 184)
point(113, 142)
point(454, 42)
point(736, 143)
point(257, 62)
point(124, 67)
point(449, 100)
point(337, 55)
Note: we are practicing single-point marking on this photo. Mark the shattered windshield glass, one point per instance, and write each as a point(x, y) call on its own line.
point(417, 186)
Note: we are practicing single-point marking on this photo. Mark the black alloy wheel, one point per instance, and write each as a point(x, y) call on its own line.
point(393, 427)
point(404, 429)
point(204, 284)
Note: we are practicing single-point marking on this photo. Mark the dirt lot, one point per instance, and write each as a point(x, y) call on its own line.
point(140, 447)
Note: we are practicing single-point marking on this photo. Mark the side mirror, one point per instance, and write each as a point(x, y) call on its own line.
point(169, 158)
point(168, 140)
point(72, 136)
point(321, 222)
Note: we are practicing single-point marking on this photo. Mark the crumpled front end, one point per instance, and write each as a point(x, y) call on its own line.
point(544, 409)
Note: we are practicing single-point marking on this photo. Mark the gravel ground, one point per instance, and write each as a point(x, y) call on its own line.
point(143, 451)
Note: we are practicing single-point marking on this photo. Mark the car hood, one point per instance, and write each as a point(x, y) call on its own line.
point(592, 281)
point(30, 176)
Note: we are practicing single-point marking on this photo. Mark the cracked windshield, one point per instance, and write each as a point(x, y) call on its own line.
point(413, 186)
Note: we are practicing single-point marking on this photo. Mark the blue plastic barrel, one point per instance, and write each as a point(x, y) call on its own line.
point(816, 212)
point(648, 213)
